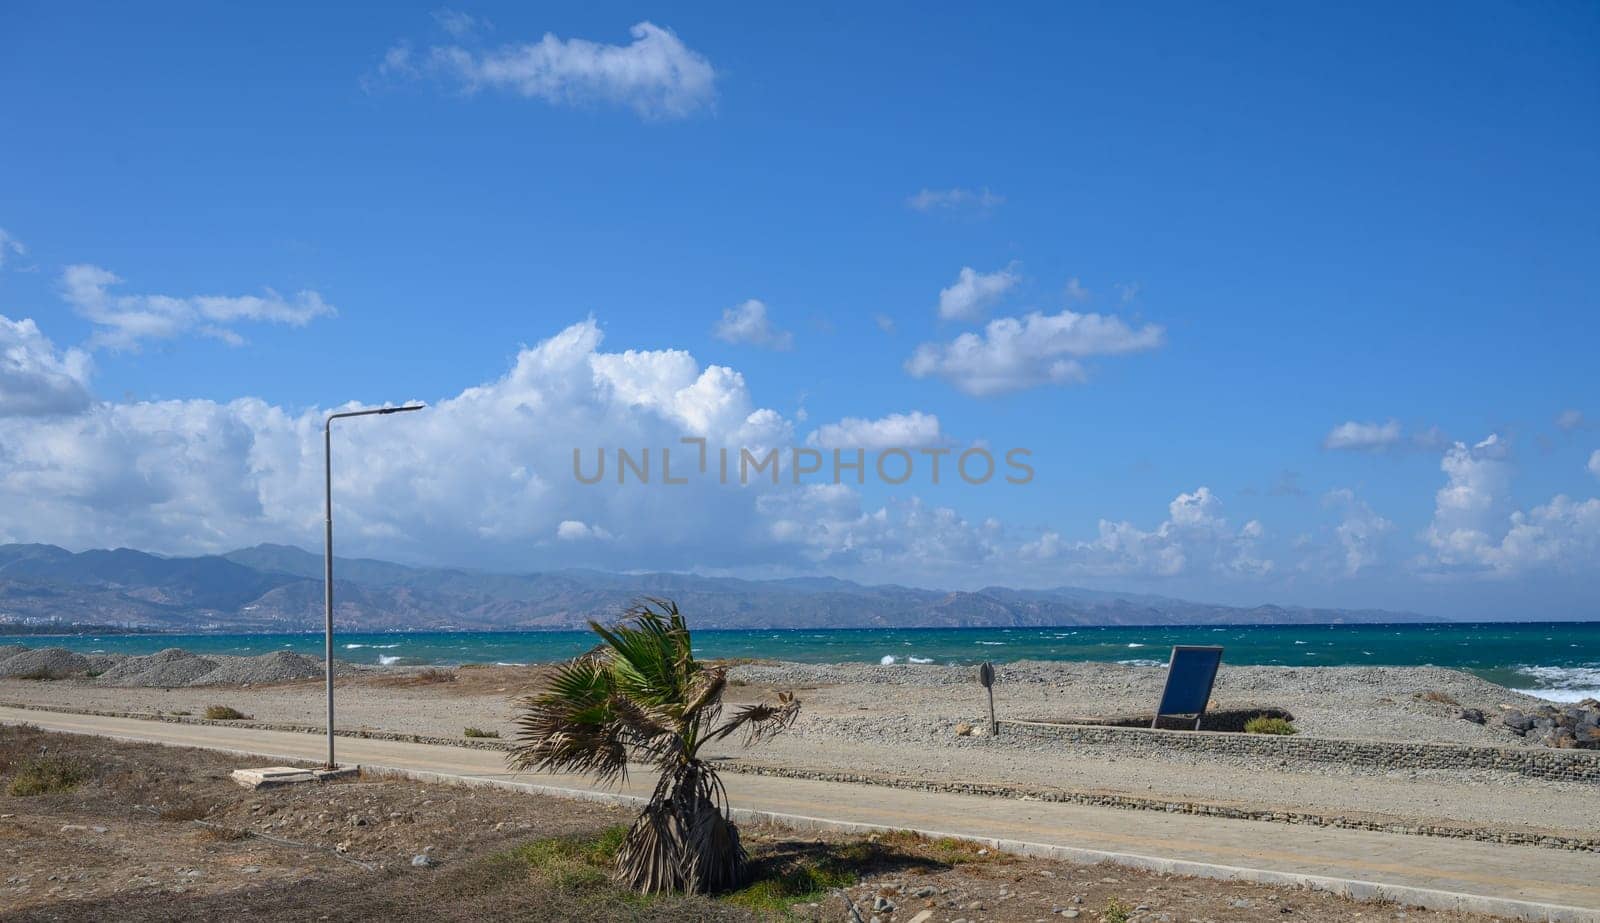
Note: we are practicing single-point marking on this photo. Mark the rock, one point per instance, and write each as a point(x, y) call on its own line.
point(1475, 715)
point(422, 862)
point(963, 729)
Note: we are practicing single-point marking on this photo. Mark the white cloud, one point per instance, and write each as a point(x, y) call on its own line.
point(1594, 463)
point(657, 75)
point(1356, 436)
point(1075, 290)
point(1360, 532)
point(571, 530)
point(885, 323)
point(897, 430)
point(929, 200)
point(969, 297)
point(9, 247)
point(1012, 354)
point(124, 321)
point(461, 25)
point(1472, 533)
point(749, 323)
point(1194, 536)
point(1363, 437)
point(35, 379)
point(1570, 420)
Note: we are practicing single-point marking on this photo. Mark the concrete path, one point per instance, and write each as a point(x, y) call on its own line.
point(1525, 882)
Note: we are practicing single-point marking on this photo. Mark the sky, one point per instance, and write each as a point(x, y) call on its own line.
point(1277, 303)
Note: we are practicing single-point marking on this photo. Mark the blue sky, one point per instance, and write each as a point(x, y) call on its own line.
point(1241, 231)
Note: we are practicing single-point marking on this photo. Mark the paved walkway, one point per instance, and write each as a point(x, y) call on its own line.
point(1477, 875)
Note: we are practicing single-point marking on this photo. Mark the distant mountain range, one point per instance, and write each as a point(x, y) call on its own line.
point(279, 588)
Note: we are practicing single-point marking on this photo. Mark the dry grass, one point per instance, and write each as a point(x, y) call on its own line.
point(1437, 697)
point(479, 732)
point(45, 775)
point(224, 713)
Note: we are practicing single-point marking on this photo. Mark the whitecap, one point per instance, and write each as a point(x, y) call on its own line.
point(1136, 644)
point(920, 659)
point(502, 663)
point(1141, 663)
point(887, 661)
point(388, 659)
point(1561, 695)
point(992, 643)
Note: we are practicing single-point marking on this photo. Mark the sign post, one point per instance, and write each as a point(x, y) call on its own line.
point(986, 679)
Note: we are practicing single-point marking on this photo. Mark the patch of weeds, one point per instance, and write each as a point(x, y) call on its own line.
point(1261, 724)
point(46, 775)
point(183, 713)
point(39, 674)
point(479, 732)
point(574, 863)
point(1437, 697)
point(1116, 912)
point(224, 713)
point(775, 890)
point(434, 675)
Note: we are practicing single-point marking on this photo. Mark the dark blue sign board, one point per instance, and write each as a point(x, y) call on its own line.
point(1190, 676)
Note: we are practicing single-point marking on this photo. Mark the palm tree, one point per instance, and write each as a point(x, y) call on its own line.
point(641, 695)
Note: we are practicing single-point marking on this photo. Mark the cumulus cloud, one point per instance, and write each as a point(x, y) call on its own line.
point(1360, 532)
point(1473, 533)
point(656, 75)
point(897, 430)
point(748, 323)
point(1017, 353)
point(969, 297)
point(1594, 463)
point(1195, 536)
point(1569, 420)
point(36, 379)
point(125, 321)
point(10, 247)
point(931, 200)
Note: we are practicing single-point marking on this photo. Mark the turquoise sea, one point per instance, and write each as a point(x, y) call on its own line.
point(1559, 660)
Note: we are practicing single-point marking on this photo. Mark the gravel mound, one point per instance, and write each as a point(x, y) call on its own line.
point(7, 651)
point(99, 663)
point(276, 667)
point(171, 667)
point(44, 663)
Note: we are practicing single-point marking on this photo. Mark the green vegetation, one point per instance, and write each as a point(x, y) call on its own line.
point(574, 863)
point(800, 883)
point(1262, 724)
point(642, 696)
point(479, 732)
point(224, 713)
point(46, 775)
point(1116, 912)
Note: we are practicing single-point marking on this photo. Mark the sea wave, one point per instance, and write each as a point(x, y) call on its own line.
point(1135, 644)
point(887, 661)
point(1141, 663)
point(388, 660)
point(1562, 684)
point(920, 659)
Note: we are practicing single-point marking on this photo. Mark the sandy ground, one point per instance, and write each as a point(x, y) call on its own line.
point(899, 721)
point(155, 833)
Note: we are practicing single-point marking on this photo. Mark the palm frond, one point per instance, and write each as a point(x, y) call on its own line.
point(760, 721)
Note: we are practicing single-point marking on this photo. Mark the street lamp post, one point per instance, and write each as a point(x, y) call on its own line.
point(327, 544)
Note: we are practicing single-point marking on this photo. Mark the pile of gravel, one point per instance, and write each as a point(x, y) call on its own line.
point(44, 663)
point(8, 651)
point(171, 667)
point(277, 667)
